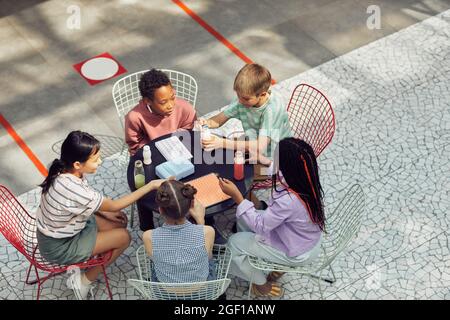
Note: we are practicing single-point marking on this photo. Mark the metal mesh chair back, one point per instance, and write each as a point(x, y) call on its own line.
point(19, 228)
point(311, 117)
point(344, 223)
point(205, 290)
point(16, 225)
point(126, 93)
point(342, 227)
point(184, 85)
point(110, 145)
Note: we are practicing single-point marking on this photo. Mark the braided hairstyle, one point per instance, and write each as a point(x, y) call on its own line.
point(298, 164)
point(175, 198)
point(78, 146)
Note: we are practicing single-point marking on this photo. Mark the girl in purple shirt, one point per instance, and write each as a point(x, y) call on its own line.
point(289, 231)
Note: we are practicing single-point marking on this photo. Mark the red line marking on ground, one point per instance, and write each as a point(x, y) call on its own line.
point(23, 146)
point(213, 31)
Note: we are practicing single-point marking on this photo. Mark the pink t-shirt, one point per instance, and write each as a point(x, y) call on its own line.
point(142, 125)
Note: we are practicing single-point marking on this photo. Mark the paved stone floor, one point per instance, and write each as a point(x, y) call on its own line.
point(392, 104)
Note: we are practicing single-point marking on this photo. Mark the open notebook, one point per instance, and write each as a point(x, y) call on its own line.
point(208, 190)
point(173, 149)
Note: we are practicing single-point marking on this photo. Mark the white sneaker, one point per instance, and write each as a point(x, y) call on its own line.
point(74, 282)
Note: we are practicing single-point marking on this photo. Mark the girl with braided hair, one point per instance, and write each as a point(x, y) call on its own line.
point(74, 221)
point(289, 231)
point(181, 251)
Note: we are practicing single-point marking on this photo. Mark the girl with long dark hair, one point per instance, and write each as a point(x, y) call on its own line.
point(289, 231)
point(74, 221)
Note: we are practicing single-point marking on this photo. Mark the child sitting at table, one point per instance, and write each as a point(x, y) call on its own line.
point(289, 231)
point(158, 113)
point(181, 251)
point(76, 222)
point(261, 111)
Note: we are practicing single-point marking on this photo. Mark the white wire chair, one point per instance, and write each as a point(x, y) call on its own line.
point(126, 93)
point(205, 290)
point(110, 145)
point(342, 227)
point(126, 96)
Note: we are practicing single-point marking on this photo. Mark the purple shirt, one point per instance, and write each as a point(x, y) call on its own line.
point(284, 225)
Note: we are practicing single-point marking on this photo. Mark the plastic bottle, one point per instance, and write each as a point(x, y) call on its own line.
point(206, 133)
point(147, 155)
point(139, 174)
point(238, 168)
point(197, 126)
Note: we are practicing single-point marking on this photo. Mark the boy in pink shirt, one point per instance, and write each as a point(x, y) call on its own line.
point(158, 113)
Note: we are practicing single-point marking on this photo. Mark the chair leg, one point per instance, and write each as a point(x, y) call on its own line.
point(334, 276)
point(250, 288)
point(323, 279)
point(27, 280)
point(38, 280)
point(320, 287)
point(318, 279)
point(330, 281)
point(38, 291)
point(107, 282)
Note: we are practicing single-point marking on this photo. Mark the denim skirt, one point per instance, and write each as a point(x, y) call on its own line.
point(69, 250)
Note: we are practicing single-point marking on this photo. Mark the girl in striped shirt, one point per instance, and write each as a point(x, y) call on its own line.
point(74, 221)
point(181, 251)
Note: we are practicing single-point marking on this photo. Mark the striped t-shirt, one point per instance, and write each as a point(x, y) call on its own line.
point(66, 206)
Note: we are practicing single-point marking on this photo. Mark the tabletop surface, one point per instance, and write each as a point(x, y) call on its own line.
point(205, 162)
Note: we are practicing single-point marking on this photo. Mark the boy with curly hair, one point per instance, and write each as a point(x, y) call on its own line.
point(159, 112)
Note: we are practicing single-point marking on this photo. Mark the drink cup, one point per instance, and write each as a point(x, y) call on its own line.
point(139, 181)
point(238, 167)
point(139, 174)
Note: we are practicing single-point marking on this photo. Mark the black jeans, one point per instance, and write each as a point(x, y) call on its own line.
point(145, 219)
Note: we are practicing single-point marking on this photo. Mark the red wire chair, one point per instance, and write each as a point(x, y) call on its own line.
point(19, 228)
point(311, 118)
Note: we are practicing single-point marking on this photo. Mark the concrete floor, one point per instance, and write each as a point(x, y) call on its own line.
point(390, 99)
point(43, 98)
point(392, 137)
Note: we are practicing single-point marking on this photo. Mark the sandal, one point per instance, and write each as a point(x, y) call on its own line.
point(276, 291)
point(274, 276)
